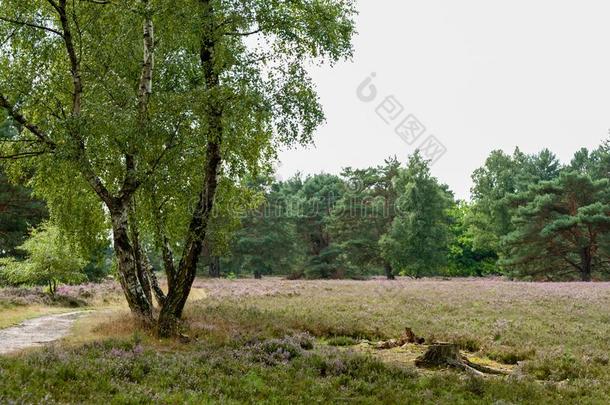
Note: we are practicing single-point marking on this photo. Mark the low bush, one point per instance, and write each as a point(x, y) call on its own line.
point(510, 355)
point(341, 341)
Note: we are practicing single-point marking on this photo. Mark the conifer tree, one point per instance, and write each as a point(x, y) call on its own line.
point(561, 229)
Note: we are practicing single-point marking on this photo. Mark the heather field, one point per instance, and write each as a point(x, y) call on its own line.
point(280, 341)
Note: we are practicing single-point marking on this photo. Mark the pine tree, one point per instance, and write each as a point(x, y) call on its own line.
point(561, 229)
point(363, 215)
point(318, 197)
point(595, 163)
point(267, 242)
point(495, 183)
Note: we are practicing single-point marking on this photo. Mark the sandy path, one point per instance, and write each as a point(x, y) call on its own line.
point(37, 331)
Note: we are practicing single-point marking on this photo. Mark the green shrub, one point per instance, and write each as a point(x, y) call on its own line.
point(49, 260)
point(558, 367)
point(510, 355)
point(467, 343)
point(342, 341)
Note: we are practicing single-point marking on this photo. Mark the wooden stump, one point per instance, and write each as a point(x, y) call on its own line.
point(440, 355)
point(448, 355)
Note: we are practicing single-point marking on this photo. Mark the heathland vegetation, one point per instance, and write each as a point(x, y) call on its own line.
point(137, 148)
point(283, 341)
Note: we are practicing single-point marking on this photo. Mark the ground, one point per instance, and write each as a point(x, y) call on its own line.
point(280, 341)
point(38, 331)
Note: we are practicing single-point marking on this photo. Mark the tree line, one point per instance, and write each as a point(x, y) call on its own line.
point(530, 217)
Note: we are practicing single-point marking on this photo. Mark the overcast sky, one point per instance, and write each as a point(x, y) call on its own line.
point(478, 74)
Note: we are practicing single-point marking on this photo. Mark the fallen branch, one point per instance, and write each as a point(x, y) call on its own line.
point(407, 337)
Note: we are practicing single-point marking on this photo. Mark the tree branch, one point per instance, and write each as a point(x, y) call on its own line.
point(163, 242)
point(31, 25)
point(74, 62)
point(94, 181)
point(131, 182)
point(9, 37)
point(54, 5)
point(169, 145)
point(17, 116)
point(22, 155)
point(576, 266)
point(244, 34)
point(86, 168)
point(97, 1)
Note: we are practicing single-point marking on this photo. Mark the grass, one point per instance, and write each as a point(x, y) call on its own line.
point(277, 341)
point(341, 341)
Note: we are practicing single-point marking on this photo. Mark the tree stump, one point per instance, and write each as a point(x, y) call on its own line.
point(440, 355)
point(448, 355)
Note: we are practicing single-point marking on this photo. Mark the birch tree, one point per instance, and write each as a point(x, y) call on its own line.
point(136, 115)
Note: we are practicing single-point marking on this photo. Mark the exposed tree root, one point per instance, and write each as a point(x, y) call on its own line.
point(439, 355)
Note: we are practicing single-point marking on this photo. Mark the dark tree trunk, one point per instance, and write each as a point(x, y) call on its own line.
point(180, 288)
point(389, 273)
point(52, 288)
point(586, 264)
point(139, 254)
point(214, 267)
point(128, 269)
point(154, 282)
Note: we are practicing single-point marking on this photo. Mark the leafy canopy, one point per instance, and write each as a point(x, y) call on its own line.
point(266, 98)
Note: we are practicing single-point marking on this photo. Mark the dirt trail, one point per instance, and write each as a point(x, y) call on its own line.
point(37, 331)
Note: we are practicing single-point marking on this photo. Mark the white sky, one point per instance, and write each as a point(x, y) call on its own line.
point(479, 74)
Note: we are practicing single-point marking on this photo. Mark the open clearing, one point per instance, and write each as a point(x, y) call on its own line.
point(306, 341)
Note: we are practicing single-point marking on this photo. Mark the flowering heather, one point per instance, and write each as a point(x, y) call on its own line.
point(66, 295)
point(280, 341)
point(541, 326)
point(136, 351)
